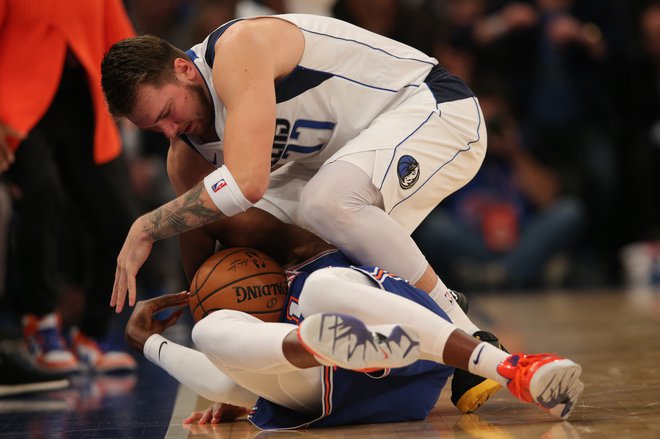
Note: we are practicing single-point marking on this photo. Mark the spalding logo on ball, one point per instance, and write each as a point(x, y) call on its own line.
point(242, 279)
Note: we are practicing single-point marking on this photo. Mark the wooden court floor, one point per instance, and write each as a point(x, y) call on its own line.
point(613, 334)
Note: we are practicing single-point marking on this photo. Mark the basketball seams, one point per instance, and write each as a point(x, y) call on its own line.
point(212, 269)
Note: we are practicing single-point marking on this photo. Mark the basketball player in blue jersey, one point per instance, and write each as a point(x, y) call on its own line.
point(321, 123)
point(392, 345)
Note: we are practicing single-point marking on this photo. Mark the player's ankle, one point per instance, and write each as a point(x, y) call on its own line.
point(484, 362)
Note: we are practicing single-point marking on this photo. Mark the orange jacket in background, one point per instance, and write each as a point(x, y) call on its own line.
point(34, 36)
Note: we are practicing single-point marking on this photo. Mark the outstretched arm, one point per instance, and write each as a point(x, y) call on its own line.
point(191, 210)
point(188, 366)
point(185, 168)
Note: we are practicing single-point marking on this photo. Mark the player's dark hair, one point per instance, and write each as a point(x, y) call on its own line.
point(134, 62)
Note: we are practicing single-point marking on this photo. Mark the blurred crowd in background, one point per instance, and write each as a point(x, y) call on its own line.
point(569, 193)
point(567, 197)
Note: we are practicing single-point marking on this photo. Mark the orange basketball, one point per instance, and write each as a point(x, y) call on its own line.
point(241, 279)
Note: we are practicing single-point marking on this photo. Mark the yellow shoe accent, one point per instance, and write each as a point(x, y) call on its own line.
point(476, 396)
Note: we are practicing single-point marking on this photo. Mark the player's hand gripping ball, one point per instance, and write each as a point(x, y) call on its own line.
point(241, 279)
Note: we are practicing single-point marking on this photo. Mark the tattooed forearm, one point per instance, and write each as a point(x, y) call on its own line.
point(184, 213)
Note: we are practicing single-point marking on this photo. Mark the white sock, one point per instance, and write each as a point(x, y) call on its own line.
point(446, 301)
point(484, 361)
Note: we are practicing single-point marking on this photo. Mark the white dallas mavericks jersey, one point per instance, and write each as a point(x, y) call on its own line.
point(347, 77)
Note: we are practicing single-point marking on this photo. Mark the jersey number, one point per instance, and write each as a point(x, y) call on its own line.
point(311, 130)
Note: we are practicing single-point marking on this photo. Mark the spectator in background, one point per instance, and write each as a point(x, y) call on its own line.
point(570, 121)
point(168, 19)
point(379, 16)
point(505, 44)
point(640, 102)
point(490, 35)
point(553, 61)
point(410, 22)
point(209, 14)
point(503, 227)
point(59, 145)
point(640, 152)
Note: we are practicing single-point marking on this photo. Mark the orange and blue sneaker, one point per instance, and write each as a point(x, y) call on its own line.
point(345, 341)
point(551, 382)
point(45, 346)
point(90, 354)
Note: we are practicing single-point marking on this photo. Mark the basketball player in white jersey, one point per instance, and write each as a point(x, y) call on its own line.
point(321, 123)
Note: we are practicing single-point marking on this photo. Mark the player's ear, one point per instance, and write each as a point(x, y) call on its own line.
point(184, 69)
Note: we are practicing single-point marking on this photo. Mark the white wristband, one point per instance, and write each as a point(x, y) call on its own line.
point(225, 193)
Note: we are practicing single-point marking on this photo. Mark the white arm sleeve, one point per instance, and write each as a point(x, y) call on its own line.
point(195, 371)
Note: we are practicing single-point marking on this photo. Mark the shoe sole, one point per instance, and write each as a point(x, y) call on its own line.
point(310, 334)
point(556, 387)
point(477, 396)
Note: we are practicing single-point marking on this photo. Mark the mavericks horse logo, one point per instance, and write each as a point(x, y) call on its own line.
point(408, 171)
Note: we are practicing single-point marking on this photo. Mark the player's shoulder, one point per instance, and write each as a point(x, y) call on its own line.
point(244, 32)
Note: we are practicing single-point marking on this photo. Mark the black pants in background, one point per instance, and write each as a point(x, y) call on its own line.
point(59, 182)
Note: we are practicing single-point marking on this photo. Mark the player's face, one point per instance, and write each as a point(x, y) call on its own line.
point(173, 109)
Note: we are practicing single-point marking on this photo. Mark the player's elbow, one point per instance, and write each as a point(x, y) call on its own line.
point(253, 194)
point(255, 189)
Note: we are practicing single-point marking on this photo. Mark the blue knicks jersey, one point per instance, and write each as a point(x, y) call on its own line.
point(346, 78)
point(402, 394)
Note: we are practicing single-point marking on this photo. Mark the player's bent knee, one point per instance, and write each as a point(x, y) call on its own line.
point(319, 209)
point(331, 281)
point(216, 330)
point(330, 205)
